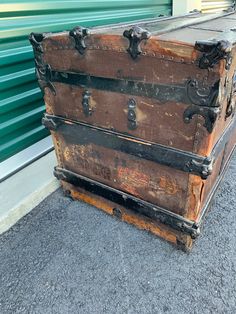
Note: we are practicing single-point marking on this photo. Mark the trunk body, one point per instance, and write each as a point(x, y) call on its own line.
point(142, 116)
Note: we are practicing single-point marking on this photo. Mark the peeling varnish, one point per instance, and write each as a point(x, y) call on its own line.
point(141, 116)
point(146, 104)
point(187, 138)
point(156, 76)
point(68, 122)
point(49, 100)
point(132, 179)
point(169, 114)
point(92, 103)
point(134, 140)
point(194, 198)
point(202, 190)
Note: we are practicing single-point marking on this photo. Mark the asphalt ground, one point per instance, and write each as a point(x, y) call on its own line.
point(68, 257)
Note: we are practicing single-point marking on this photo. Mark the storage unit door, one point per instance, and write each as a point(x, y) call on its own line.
point(209, 6)
point(21, 103)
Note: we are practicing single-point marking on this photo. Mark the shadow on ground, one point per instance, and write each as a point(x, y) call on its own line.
point(68, 257)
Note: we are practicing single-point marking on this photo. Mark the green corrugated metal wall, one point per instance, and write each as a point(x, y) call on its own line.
point(21, 104)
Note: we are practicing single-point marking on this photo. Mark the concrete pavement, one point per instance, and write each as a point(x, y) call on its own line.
point(68, 257)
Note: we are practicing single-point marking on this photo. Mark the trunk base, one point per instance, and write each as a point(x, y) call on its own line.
point(181, 240)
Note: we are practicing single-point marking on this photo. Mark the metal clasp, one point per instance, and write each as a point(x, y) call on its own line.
point(132, 123)
point(85, 103)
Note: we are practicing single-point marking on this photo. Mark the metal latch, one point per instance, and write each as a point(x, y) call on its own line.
point(85, 103)
point(132, 123)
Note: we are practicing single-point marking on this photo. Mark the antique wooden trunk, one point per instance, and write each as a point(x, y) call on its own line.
point(142, 116)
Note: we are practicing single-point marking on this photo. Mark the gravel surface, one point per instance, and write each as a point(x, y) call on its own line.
point(68, 257)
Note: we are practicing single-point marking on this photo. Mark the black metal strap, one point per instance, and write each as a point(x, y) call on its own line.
point(129, 87)
point(130, 202)
point(191, 92)
point(81, 133)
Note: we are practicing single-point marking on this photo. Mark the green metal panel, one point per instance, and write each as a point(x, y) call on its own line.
point(21, 103)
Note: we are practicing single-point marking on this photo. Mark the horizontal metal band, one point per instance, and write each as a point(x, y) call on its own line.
point(191, 92)
point(81, 133)
point(162, 93)
point(130, 202)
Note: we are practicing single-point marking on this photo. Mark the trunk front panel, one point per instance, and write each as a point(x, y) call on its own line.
point(144, 179)
point(155, 121)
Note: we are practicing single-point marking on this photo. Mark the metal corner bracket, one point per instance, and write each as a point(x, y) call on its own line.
point(42, 70)
point(210, 115)
point(213, 51)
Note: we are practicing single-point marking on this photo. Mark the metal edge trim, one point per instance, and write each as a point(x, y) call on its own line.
point(215, 188)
